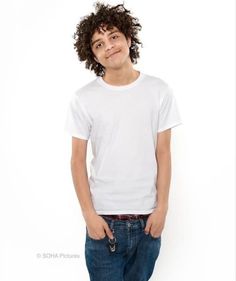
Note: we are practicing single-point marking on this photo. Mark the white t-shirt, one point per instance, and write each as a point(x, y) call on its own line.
point(122, 123)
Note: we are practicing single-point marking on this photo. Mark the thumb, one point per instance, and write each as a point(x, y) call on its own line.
point(147, 228)
point(108, 231)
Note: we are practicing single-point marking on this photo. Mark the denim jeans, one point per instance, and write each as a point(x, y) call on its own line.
point(134, 255)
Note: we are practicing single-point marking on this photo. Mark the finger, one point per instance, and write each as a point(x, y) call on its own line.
point(96, 237)
point(147, 227)
point(108, 231)
point(96, 234)
point(156, 234)
point(100, 236)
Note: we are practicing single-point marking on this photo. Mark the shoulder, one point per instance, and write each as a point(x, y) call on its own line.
point(159, 86)
point(86, 89)
point(156, 82)
point(86, 93)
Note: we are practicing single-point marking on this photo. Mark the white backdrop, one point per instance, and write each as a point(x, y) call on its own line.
point(189, 44)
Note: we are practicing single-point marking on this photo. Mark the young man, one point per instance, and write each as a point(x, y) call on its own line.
point(128, 116)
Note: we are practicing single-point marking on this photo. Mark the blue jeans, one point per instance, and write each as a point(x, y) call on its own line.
point(134, 255)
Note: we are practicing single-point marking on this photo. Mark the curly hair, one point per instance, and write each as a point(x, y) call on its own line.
point(110, 16)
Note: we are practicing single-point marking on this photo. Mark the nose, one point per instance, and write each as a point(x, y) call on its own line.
point(109, 46)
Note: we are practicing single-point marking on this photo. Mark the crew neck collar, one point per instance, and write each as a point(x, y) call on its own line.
point(121, 87)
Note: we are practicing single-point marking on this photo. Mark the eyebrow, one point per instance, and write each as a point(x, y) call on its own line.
point(101, 39)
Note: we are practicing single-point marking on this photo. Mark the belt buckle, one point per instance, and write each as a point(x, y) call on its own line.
point(133, 217)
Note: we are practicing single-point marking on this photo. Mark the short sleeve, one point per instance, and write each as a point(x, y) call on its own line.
point(77, 120)
point(169, 115)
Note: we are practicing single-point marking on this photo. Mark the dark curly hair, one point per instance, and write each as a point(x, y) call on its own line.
point(110, 16)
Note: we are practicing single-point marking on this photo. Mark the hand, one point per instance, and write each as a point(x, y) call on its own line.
point(155, 223)
point(97, 226)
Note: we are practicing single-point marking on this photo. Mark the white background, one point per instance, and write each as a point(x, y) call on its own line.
point(189, 44)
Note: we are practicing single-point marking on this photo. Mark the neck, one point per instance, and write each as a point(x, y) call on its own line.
point(119, 77)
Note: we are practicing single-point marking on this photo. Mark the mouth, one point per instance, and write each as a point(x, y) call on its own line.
point(112, 54)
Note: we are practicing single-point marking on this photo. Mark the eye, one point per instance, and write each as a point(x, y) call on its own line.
point(98, 45)
point(114, 36)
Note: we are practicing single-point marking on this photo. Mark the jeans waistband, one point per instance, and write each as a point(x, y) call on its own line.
point(127, 216)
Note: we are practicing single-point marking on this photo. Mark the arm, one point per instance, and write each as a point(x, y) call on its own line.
point(80, 176)
point(96, 225)
point(156, 220)
point(163, 156)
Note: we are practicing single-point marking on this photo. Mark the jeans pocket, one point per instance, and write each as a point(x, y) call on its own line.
point(93, 239)
point(154, 237)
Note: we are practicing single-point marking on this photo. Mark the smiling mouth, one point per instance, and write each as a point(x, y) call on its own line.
point(112, 54)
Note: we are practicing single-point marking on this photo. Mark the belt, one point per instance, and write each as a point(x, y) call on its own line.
point(127, 217)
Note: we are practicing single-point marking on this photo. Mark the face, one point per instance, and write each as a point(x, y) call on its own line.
point(111, 48)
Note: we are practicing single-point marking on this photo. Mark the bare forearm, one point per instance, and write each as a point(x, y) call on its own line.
point(81, 184)
point(163, 180)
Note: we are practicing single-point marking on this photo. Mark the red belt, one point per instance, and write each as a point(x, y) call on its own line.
point(127, 217)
